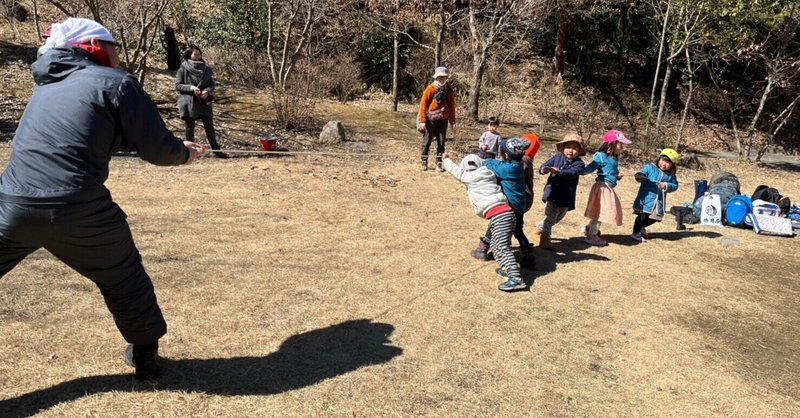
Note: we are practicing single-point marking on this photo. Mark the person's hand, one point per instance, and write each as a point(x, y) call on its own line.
point(196, 90)
point(619, 176)
point(662, 185)
point(195, 150)
point(639, 177)
point(553, 170)
point(204, 94)
point(422, 128)
point(445, 155)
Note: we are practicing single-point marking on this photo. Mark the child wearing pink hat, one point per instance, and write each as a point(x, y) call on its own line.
point(603, 205)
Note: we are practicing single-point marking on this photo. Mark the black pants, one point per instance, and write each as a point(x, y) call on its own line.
point(434, 129)
point(642, 221)
point(519, 234)
point(208, 125)
point(95, 240)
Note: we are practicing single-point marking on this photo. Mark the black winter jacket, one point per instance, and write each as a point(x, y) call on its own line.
point(80, 113)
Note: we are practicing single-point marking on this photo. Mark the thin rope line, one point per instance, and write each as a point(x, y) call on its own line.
point(348, 154)
point(430, 290)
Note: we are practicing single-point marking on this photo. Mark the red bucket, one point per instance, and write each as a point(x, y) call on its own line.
point(267, 142)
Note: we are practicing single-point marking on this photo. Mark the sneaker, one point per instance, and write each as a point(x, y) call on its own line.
point(595, 240)
point(424, 167)
point(145, 359)
point(479, 255)
point(439, 166)
point(511, 285)
point(639, 237)
point(644, 233)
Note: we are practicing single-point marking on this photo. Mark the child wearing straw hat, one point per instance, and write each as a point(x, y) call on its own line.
point(564, 169)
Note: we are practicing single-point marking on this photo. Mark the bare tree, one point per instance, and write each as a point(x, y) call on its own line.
point(490, 21)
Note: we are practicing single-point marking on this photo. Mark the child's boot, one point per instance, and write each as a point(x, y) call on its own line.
point(537, 235)
point(439, 165)
point(424, 165)
point(544, 242)
point(481, 252)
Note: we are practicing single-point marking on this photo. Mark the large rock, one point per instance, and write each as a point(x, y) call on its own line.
point(332, 133)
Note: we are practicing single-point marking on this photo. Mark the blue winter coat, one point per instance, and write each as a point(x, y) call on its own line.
point(651, 199)
point(511, 175)
point(607, 168)
point(562, 187)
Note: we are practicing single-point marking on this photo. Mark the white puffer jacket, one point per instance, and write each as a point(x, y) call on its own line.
point(482, 188)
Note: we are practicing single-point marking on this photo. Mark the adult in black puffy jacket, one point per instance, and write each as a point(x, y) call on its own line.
point(195, 85)
point(52, 192)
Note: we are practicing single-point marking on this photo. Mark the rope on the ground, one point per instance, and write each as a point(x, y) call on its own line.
point(345, 154)
point(429, 290)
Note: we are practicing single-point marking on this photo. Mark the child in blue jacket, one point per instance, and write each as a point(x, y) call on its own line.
point(564, 169)
point(603, 205)
point(510, 173)
point(657, 179)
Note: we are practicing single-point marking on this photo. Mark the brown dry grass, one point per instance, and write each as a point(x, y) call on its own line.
point(333, 286)
point(343, 286)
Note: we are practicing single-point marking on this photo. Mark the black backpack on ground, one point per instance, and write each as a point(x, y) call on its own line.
point(772, 195)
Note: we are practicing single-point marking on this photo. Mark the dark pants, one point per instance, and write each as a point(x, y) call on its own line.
point(95, 240)
point(434, 129)
point(208, 125)
point(642, 221)
point(519, 234)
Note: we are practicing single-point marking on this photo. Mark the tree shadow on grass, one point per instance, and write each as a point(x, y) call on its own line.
point(302, 360)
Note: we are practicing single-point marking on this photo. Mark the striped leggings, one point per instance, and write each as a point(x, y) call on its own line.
point(501, 227)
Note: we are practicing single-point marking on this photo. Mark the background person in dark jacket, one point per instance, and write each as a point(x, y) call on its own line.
point(195, 84)
point(52, 192)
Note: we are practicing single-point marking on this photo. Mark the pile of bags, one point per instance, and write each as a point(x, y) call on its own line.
point(720, 202)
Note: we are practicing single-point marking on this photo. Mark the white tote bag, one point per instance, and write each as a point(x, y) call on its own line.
point(711, 211)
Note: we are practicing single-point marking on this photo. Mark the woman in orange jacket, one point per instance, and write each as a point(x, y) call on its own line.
point(437, 107)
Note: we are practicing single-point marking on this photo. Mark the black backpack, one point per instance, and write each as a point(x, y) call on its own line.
point(441, 94)
point(772, 195)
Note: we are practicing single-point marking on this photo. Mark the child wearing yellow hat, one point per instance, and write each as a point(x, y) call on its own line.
point(656, 180)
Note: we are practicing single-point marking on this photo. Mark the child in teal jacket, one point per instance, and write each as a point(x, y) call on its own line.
point(657, 179)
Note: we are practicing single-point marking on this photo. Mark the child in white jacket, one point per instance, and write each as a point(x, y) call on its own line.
point(489, 202)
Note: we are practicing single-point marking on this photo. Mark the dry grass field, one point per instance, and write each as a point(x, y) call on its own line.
point(342, 286)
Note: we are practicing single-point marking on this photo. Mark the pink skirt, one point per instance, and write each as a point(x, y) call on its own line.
point(604, 205)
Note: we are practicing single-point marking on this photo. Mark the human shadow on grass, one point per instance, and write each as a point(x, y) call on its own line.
point(302, 360)
point(627, 241)
point(547, 260)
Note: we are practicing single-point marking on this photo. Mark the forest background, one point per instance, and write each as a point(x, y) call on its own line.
point(712, 74)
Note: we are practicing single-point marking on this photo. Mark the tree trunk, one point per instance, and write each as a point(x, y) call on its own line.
point(171, 46)
point(658, 68)
point(437, 50)
point(690, 72)
point(36, 20)
point(478, 67)
point(757, 116)
point(662, 103)
point(564, 22)
point(395, 69)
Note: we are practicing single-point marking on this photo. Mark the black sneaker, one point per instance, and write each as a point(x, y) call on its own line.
point(145, 358)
